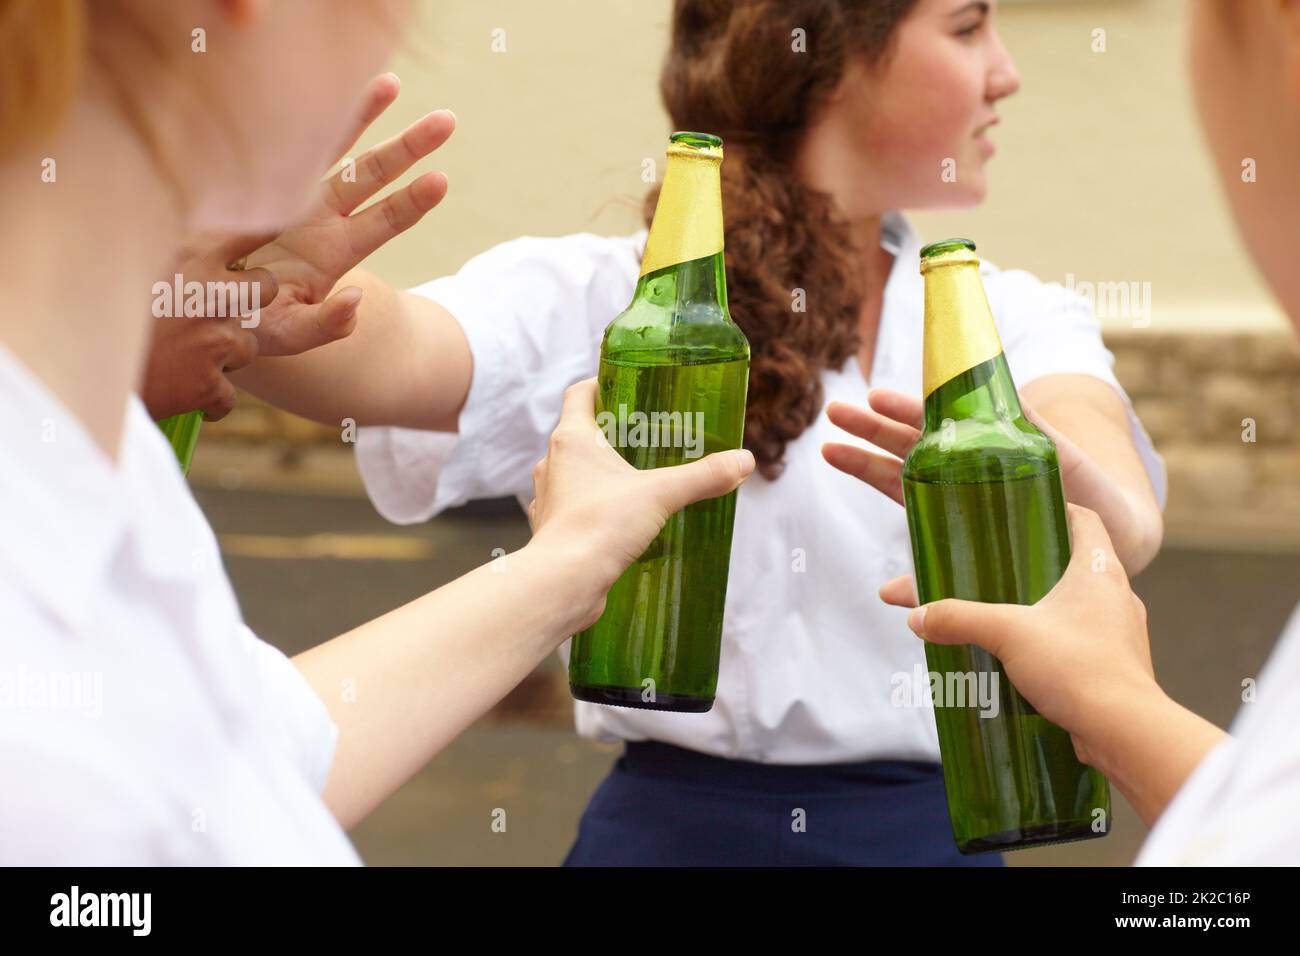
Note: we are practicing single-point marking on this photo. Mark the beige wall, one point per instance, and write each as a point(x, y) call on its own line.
point(1100, 171)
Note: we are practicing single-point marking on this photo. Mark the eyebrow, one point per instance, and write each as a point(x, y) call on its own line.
point(981, 5)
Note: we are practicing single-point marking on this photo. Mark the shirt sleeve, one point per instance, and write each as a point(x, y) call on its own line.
point(1047, 329)
point(1238, 808)
point(533, 311)
point(303, 729)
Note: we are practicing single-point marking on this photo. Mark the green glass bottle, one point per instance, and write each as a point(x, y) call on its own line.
point(987, 517)
point(183, 433)
point(674, 372)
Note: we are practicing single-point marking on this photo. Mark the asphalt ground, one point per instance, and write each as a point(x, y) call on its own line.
point(308, 567)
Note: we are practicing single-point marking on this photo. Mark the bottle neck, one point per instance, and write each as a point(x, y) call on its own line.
point(965, 372)
point(687, 226)
point(984, 393)
point(701, 280)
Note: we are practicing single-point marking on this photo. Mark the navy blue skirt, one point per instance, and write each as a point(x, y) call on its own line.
point(666, 806)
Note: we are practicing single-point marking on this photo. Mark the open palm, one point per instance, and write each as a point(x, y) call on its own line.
point(308, 259)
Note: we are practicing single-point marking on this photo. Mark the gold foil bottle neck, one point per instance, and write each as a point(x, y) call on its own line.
point(959, 329)
point(688, 218)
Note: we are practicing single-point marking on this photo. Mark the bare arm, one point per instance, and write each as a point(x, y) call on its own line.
point(421, 674)
point(1148, 745)
point(406, 363)
point(403, 686)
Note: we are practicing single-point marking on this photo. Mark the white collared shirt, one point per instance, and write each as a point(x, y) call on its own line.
point(811, 658)
point(1241, 806)
point(141, 722)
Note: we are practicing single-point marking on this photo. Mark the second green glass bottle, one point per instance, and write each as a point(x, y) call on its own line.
point(987, 517)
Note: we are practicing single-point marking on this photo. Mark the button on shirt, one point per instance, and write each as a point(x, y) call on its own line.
point(141, 722)
point(815, 668)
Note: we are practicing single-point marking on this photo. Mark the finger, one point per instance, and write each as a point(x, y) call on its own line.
point(869, 425)
point(532, 515)
point(380, 95)
point(883, 474)
point(219, 400)
point(539, 479)
point(579, 402)
point(243, 349)
point(951, 621)
point(378, 167)
point(309, 327)
point(711, 476)
point(899, 406)
point(264, 283)
point(900, 592)
point(1090, 543)
point(393, 215)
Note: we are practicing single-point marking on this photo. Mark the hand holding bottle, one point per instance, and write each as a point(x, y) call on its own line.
point(190, 356)
point(599, 513)
point(1076, 655)
point(1081, 656)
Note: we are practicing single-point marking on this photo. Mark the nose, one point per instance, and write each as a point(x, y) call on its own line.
point(1003, 79)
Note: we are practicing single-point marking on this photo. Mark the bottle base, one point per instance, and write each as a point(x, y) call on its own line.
point(631, 697)
point(1025, 838)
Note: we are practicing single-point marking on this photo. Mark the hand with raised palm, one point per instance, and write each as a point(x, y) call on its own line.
point(295, 271)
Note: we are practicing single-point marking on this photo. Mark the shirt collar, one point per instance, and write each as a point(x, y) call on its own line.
point(897, 235)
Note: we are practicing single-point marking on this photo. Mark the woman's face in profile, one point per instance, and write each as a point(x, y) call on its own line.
point(916, 128)
point(1245, 62)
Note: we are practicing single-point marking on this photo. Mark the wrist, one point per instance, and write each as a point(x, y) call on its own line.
point(1114, 728)
point(1134, 526)
point(574, 584)
point(1146, 531)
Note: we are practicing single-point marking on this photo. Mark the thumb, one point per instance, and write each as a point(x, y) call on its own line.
point(952, 621)
point(268, 287)
point(711, 476)
point(303, 328)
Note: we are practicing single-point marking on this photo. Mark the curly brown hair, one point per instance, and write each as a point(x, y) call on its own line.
point(735, 69)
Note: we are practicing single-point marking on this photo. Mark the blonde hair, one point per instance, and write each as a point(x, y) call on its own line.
point(42, 49)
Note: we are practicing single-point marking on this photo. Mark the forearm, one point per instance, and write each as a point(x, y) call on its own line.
point(1111, 479)
point(1148, 745)
point(406, 363)
point(1126, 505)
point(402, 686)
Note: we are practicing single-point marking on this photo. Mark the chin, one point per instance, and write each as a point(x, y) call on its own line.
point(973, 194)
point(959, 195)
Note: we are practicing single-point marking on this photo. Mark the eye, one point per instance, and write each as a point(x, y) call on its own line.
point(978, 13)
